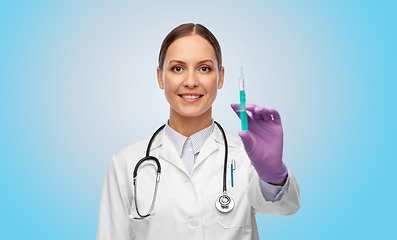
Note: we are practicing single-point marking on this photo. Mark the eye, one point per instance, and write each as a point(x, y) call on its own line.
point(205, 69)
point(177, 69)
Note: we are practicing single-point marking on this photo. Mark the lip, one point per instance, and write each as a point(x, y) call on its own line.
point(187, 93)
point(191, 100)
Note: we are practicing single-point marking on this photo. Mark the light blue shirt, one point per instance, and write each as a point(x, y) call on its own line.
point(188, 149)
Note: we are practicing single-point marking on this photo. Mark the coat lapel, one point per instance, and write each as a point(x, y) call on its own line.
point(212, 144)
point(209, 147)
point(169, 154)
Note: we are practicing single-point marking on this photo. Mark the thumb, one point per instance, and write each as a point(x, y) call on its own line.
point(248, 140)
point(236, 108)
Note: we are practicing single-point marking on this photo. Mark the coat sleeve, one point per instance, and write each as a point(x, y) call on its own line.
point(113, 220)
point(288, 204)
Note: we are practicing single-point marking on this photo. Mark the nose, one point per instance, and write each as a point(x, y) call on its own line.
point(190, 81)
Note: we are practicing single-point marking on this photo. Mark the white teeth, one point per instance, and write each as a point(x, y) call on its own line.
point(190, 96)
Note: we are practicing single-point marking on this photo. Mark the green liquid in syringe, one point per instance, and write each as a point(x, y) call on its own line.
point(243, 112)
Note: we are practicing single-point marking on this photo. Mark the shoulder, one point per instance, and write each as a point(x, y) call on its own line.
point(137, 150)
point(133, 152)
point(232, 140)
point(236, 148)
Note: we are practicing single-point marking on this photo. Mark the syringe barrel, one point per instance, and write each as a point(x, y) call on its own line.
point(243, 112)
point(241, 83)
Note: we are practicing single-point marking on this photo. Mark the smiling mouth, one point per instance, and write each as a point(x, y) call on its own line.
point(191, 96)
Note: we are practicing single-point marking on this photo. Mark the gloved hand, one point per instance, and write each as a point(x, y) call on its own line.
point(263, 142)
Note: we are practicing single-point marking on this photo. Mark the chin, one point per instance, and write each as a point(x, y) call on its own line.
point(192, 113)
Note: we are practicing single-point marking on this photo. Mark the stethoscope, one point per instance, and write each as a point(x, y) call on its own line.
point(224, 203)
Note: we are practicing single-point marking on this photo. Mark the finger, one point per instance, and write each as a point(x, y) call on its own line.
point(259, 113)
point(252, 108)
point(275, 116)
point(236, 108)
point(262, 113)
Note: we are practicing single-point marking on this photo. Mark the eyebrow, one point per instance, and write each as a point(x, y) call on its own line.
point(200, 62)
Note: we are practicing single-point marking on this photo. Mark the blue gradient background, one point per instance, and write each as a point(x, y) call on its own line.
point(78, 82)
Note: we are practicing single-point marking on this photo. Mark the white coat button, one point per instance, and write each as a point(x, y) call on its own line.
point(194, 222)
point(189, 149)
point(189, 141)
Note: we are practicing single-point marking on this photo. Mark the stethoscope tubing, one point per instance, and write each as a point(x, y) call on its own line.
point(158, 170)
point(147, 157)
point(226, 153)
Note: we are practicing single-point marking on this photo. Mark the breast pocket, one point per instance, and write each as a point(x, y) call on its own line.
point(140, 227)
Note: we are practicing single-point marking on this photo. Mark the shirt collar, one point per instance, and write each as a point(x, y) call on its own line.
point(198, 138)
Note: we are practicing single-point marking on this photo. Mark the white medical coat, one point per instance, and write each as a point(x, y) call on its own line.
point(185, 205)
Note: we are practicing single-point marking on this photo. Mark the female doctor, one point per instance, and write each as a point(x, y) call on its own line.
point(191, 153)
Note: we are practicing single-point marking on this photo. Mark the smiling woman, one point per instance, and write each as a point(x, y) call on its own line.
point(198, 197)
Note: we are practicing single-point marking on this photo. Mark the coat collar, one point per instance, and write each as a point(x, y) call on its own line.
point(168, 152)
point(164, 149)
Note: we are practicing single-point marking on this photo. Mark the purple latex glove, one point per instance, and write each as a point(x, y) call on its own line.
point(264, 142)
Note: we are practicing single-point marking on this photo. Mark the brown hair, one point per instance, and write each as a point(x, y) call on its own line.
point(188, 29)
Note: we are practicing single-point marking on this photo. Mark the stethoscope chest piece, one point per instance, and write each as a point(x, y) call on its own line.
point(224, 203)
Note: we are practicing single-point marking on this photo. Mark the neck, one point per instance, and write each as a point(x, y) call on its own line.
point(187, 126)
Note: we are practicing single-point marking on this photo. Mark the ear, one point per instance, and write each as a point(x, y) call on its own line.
point(221, 78)
point(160, 78)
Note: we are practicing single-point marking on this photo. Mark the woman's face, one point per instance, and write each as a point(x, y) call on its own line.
point(190, 76)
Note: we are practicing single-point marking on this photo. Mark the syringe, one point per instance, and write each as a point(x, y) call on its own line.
point(241, 81)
